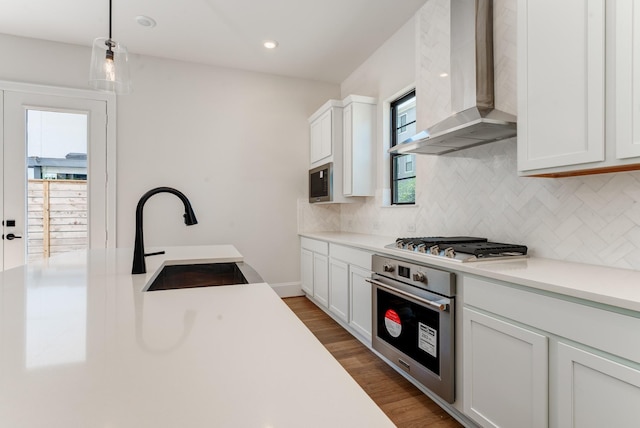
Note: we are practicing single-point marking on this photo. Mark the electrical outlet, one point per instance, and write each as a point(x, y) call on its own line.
point(376, 225)
point(411, 228)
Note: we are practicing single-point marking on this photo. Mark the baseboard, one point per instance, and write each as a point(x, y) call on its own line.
point(288, 289)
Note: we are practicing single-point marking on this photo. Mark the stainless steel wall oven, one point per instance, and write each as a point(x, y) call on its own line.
point(413, 317)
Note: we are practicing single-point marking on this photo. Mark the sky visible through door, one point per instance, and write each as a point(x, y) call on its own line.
point(57, 182)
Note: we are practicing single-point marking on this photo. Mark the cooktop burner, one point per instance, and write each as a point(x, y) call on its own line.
point(460, 248)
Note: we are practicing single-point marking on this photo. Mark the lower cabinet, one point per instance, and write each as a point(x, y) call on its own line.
point(339, 289)
point(350, 298)
point(360, 299)
point(537, 360)
point(595, 391)
point(335, 277)
point(321, 279)
point(306, 271)
point(314, 269)
point(505, 373)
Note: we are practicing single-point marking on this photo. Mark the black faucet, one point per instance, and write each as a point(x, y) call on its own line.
point(139, 265)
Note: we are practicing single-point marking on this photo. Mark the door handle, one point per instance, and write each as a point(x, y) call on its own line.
point(437, 304)
point(11, 236)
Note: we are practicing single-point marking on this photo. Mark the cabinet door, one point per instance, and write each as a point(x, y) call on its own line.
point(347, 147)
point(339, 289)
point(358, 145)
point(505, 373)
point(321, 279)
point(315, 144)
point(326, 124)
point(306, 271)
point(596, 392)
point(627, 66)
point(321, 137)
point(360, 318)
point(561, 71)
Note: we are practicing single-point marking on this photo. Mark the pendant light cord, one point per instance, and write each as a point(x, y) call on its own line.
point(109, 19)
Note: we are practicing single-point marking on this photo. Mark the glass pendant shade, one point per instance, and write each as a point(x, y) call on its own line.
point(109, 70)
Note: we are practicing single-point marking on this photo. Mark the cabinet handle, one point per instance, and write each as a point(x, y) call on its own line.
point(435, 305)
point(11, 237)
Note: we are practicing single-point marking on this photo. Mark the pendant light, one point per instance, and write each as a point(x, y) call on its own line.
point(109, 70)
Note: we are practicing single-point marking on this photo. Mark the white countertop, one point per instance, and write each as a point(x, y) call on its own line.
point(605, 285)
point(81, 345)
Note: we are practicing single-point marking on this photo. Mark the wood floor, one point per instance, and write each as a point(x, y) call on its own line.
point(402, 402)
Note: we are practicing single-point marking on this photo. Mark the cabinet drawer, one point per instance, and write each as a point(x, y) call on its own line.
point(351, 255)
point(599, 328)
point(316, 246)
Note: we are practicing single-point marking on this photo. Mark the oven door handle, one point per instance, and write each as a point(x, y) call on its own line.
point(435, 305)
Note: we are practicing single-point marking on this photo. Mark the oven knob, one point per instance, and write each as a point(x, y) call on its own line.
point(419, 277)
point(388, 267)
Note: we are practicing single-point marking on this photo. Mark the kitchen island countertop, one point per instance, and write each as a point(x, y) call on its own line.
point(82, 345)
point(600, 284)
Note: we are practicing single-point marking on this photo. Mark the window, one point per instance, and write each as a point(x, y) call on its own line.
point(403, 173)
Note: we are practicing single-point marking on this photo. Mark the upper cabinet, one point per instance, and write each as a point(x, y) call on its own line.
point(627, 77)
point(344, 132)
point(358, 136)
point(577, 106)
point(326, 133)
point(561, 98)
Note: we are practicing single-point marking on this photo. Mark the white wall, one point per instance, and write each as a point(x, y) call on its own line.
point(236, 143)
point(592, 219)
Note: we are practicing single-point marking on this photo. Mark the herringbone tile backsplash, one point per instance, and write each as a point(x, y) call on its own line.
point(591, 219)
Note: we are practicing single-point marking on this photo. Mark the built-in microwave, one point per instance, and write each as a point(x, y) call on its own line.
point(321, 183)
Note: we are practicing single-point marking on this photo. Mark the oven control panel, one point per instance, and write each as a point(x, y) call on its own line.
point(415, 274)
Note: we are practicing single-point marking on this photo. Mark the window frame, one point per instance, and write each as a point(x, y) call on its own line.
point(393, 176)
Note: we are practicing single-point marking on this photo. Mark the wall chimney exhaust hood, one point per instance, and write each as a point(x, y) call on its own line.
point(475, 120)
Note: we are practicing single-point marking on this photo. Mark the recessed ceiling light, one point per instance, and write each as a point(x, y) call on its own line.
point(444, 74)
point(270, 44)
point(145, 21)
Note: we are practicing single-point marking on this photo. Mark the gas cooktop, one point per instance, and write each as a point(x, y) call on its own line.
point(460, 248)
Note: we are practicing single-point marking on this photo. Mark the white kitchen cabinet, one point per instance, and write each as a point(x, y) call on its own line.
point(339, 289)
point(627, 78)
point(578, 87)
point(314, 269)
point(359, 290)
point(325, 142)
point(321, 279)
point(306, 270)
point(505, 373)
point(343, 133)
point(358, 139)
point(561, 84)
point(360, 293)
point(593, 367)
point(321, 137)
point(345, 294)
point(595, 391)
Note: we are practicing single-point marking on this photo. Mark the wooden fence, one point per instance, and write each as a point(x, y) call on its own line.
point(57, 217)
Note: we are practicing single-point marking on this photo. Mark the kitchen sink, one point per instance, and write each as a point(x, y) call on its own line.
point(203, 275)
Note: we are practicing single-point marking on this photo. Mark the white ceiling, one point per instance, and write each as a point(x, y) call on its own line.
point(319, 39)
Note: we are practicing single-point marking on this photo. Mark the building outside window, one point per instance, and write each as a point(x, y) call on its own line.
point(403, 173)
point(72, 167)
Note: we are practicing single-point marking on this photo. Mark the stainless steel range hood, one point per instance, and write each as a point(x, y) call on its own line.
point(475, 121)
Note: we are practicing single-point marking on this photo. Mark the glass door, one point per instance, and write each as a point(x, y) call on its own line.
point(55, 175)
